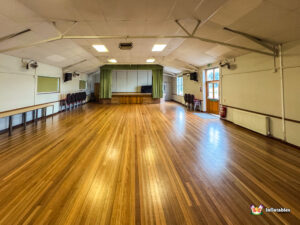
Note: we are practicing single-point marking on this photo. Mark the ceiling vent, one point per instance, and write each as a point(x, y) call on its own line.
point(126, 46)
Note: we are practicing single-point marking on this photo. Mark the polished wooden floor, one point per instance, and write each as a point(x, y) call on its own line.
point(144, 164)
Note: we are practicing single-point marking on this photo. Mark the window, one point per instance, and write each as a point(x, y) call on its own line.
point(216, 90)
point(180, 86)
point(48, 84)
point(217, 75)
point(212, 80)
point(210, 75)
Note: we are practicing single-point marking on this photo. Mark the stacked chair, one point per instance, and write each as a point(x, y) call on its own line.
point(73, 100)
point(185, 99)
point(191, 102)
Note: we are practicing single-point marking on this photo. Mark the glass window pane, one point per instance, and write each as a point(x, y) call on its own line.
point(210, 91)
point(210, 75)
point(217, 75)
point(216, 90)
point(179, 86)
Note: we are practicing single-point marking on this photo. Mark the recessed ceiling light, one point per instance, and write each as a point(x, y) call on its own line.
point(158, 47)
point(150, 60)
point(112, 60)
point(100, 48)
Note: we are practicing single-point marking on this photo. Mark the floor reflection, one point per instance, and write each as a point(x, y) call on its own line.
point(179, 122)
point(213, 149)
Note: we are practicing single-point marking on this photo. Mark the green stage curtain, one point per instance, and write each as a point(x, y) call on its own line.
point(105, 83)
point(157, 83)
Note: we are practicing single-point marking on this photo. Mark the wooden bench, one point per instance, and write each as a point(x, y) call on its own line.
point(23, 111)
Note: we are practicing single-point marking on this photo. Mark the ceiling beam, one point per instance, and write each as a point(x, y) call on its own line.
point(67, 30)
point(196, 27)
point(182, 27)
point(30, 44)
point(124, 37)
point(74, 64)
point(14, 35)
point(70, 28)
point(169, 37)
point(233, 46)
point(189, 35)
point(134, 37)
point(266, 44)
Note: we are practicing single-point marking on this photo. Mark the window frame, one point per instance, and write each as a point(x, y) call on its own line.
point(179, 86)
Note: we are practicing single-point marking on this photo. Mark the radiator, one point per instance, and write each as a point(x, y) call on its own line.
point(256, 122)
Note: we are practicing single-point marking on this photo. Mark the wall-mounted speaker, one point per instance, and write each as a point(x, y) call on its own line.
point(67, 77)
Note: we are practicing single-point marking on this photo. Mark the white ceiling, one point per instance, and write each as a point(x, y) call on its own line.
point(274, 20)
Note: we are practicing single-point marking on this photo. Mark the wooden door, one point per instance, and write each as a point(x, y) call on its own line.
point(97, 91)
point(212, 90)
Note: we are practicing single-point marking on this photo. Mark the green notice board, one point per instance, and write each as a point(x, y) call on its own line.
point(82, 84)
point(48, 84)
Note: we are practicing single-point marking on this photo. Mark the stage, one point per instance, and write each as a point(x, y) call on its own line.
point(131, 98)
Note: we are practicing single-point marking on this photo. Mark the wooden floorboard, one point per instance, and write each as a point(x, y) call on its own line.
point(144, 165)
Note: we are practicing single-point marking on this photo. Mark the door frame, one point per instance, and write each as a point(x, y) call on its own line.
point(206, 87)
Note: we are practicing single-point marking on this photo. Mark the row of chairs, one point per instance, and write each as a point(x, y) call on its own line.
point(73, 100)
point(191, 102)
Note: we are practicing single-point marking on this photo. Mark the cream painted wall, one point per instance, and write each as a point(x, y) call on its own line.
point(189, 87)
point(167, 80)
point(73, 85)
point(92, 79)
point(18, 87)
point(255, 85)
point(192, 87)
point(176, 97)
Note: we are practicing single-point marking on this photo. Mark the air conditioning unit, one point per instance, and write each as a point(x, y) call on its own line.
point(126, 46)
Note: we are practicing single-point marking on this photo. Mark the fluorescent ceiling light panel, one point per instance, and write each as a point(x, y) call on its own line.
point(100, 48)
point(112, 60)
point(158, 47)
point(150, 60)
